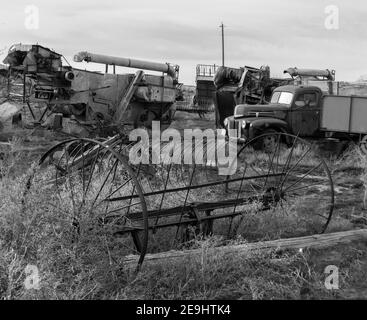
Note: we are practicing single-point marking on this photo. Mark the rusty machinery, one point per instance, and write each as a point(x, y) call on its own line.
point(246, 85)
point(255, 86)
point(324, 79)
point(201, 101)
point(140, 208)
point(95, 99)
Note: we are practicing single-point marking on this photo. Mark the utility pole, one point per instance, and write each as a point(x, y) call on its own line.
point(222, 27)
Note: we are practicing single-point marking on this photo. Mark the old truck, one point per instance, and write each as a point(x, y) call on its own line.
point(306, 111)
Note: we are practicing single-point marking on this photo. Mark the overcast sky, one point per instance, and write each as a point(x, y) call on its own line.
point(281, 34)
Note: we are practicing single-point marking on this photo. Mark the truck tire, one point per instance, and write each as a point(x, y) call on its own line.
point(269, 142)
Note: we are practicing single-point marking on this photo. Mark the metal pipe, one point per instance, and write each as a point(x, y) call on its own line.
point(293, 72)
point(125, 62)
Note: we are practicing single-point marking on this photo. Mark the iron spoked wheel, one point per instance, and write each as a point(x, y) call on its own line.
point(174, 184)
point(289, 189)
point(268, 142)
point(98, 193)
point(171, 184)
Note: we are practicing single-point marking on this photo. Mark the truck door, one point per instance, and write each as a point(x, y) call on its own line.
point(305, 113)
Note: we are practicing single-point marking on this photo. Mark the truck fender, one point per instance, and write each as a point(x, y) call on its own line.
point(269, 123)
point(259, 125)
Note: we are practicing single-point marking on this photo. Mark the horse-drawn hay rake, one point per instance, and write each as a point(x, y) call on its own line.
point(99, 188)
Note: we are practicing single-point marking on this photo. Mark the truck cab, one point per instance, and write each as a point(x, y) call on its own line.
point(292, 109)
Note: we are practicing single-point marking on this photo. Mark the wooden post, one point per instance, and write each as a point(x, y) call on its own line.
point(314, 241)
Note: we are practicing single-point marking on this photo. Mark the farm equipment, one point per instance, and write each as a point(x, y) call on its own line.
point(324, 79)
point(138, 208)
point(3, 70)
point(205, 89)
point(98, 102)
point(202, 101)
point(242, 86)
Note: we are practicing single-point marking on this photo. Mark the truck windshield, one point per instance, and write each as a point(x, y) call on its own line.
point(282, 97)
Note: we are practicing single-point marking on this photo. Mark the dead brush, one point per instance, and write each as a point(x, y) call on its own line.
point(350, 158)
point(354, 158)
point(35, 230)
point(363, 163)
point(11, 157)
point(38, 232)
point(258, 274)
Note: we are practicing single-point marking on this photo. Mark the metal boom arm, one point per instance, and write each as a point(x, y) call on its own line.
point(125, 62)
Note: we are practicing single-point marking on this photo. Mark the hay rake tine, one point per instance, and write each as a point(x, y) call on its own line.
point(294, 166)
point(163, 194)
point(71, 189)
point(113, 177)
point(187, 194)
point(119, 188)
point(83, 164)
point(272, 161)
point(289, 158)
point(235, 206)
point(133, 191)
point(304, 176)
point(91, 174)
point(103, 184)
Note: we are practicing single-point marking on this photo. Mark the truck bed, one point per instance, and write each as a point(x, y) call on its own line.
point(344, 114)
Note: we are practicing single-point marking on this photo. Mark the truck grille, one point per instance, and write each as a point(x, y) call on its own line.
point(235, 125)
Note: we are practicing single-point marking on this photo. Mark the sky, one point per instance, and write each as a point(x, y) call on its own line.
point(278, 33)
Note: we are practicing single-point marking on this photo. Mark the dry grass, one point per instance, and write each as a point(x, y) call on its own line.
point(35, 231)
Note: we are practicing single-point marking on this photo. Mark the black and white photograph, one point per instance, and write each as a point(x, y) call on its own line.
point(187, 157)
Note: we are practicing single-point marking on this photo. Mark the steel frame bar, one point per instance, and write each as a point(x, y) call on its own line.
point(204, 185)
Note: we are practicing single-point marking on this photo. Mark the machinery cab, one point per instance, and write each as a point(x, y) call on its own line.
point(304, 108)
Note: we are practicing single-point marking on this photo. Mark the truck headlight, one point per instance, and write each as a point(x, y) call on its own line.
point(243, 124)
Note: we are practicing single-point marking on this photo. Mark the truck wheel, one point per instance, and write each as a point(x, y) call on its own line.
point(363, 145)
point(269, 142)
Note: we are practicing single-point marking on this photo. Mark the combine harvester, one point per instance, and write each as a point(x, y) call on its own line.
point(100, 103)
